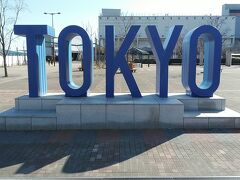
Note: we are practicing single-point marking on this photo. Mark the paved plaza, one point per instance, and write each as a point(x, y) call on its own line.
point(125, 153)
point(120, 153)
point(16, 84)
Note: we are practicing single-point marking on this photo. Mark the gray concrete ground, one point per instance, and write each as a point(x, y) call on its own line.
point(16, 84)
point(129, 153)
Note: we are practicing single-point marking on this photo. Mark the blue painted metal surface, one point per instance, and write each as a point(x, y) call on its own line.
point(36, 52)
point(212, 61)
point(162, 54)
point(113, 62)
point(65, 61)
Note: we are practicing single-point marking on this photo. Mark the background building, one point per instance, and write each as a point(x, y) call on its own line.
point(228, 24)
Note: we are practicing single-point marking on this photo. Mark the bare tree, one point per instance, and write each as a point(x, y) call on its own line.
point(90, 31)
point(126, 22)
point(9, 14)
point(220, 23)
point(178, 47)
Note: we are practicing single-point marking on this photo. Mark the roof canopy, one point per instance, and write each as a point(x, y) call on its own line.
point(139, 51)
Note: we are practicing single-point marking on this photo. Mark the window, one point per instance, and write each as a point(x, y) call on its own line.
point(234, 11)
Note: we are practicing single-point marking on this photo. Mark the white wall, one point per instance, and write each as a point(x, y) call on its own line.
point(164, 23)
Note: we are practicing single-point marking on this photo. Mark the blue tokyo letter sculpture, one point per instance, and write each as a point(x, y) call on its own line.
point(113, 62)
point(65, 61)
point(212, 61)
point(162, 54)
point(36, 53)
point(116, 59)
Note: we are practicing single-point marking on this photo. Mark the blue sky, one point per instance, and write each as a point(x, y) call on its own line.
point(83, 13)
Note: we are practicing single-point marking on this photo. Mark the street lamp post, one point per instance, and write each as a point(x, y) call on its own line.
point(53, 46)
point(52, 14)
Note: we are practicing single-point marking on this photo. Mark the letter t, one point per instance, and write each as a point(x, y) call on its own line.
point(36, 53)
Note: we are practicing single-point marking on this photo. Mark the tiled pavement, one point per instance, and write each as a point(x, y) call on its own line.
point(125, 153)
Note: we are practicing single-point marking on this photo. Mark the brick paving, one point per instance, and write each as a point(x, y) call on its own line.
point(122, 153)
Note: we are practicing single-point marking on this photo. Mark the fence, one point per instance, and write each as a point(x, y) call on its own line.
point(14, 60)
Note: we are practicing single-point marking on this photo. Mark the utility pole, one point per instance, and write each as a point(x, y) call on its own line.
point(53, 44)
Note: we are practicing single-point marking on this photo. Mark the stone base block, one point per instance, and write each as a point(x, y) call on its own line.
point(44, 123)
point(171, 114)
point(121, 112)
point(2, 123)
point(215, 103)
point(68, 116)
point(88, 116)
point(27, 120)
point(146, 115)
point(57, 112)
point(43, 103)
point(195, 120)
point(212, 120)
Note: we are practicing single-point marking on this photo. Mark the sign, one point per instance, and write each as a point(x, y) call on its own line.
point(114, 60)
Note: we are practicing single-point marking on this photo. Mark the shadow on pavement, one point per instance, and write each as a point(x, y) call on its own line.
point(78, 151)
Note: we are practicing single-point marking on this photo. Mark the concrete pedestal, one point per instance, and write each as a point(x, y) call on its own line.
point(57, 112)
